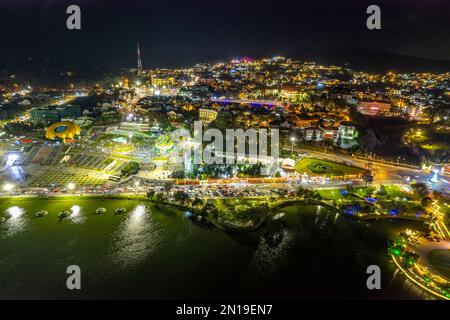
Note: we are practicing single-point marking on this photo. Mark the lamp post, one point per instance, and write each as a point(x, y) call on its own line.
point(292, 145)
point(71, 186)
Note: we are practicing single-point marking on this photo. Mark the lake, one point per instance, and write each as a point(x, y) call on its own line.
point(154, 252)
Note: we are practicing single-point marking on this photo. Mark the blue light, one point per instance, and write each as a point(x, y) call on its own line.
point(393, 212)
point(352, 210)
point(435, 178)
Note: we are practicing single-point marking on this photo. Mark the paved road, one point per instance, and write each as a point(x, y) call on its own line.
point(383, 172)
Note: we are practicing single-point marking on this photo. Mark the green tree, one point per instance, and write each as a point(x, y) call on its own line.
point(131, 167)
point(178, 174)
point(151, 194)
point(367, 177)
point(197, 202)
point(168, 185)
point(307, 194)
point(420, 189)
point(159, 197)
point(410, 259)
point(181, 196)
point(426, 202)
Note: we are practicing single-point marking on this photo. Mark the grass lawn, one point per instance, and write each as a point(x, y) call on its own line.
point(316, 167)
point(393, 192)
point(331, 194)
point(336, 194)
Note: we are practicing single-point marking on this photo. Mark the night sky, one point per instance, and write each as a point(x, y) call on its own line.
point(177, 33)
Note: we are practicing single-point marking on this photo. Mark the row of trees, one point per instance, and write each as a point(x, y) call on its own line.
point(308, 194)
point(180, 196)
point(130, 168)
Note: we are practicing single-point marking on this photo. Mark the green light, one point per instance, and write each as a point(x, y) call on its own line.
point(396, 252)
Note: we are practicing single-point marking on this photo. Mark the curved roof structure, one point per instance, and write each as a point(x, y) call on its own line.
point(62, 130)
point(164, 142)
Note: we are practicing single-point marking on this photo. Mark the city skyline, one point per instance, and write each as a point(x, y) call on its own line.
point(237, 151)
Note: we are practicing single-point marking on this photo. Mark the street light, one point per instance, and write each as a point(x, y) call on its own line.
point(71, 186)
point(8, 187)
point(292, 146)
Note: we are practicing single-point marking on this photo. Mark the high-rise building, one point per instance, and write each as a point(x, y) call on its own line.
point(139, 61)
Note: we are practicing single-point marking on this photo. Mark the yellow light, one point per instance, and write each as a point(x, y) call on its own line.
point(417, 282)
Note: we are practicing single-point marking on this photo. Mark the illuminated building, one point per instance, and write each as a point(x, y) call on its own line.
point(44, 115)
point(160, 81)
point(347, 130)
point(329, 133)
point(62, 130)
point(47, 115)
point(312, 134)
point(207, 115)
point(348, 135)
point(415, 112)
point(304, 123)
point(373, 108)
